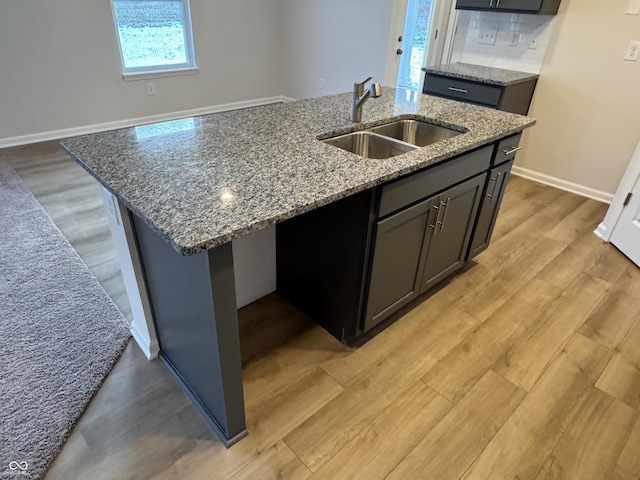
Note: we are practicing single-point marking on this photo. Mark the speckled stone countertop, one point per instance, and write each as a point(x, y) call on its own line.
point(478, 73)
point(203, 181)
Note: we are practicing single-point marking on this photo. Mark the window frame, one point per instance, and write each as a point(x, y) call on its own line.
point(155, 71)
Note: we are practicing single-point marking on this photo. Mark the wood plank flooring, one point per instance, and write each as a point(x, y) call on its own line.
point(526, 366)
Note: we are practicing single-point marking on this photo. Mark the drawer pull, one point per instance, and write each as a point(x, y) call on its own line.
point(513, 150)
point(461, 90)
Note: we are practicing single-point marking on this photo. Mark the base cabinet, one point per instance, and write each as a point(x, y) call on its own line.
point(396, 265)
point(491, 202)
point(352, 264)
point(419, 246)
point(452, 230)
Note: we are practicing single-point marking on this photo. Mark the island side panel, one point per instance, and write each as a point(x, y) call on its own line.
point(194, 308)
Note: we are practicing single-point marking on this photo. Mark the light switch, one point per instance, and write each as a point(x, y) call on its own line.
point(634, 7)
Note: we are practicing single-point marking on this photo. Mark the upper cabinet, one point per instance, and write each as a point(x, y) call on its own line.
point(541, 7)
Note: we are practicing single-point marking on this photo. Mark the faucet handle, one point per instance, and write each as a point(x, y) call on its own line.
point(365, 81)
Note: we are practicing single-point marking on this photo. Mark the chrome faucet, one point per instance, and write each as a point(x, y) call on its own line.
point(360, 96)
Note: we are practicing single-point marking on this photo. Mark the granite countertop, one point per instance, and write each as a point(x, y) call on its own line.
point(203, 181)
point(478, 73)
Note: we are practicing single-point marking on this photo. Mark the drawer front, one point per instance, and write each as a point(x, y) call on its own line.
point(416, 186)
point(462, 90)
point(507, 149)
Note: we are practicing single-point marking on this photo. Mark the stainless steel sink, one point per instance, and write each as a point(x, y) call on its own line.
point(415, 132)
point(370, 145)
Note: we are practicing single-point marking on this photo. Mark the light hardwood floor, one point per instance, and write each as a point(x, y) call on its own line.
point(526, 366)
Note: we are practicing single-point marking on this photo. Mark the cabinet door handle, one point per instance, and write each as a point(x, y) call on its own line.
point(444, 214)
point(498, 4)
point(490, 3)
point(493, 190)
point(461, 90)
point(513, 150)
point(436, 208)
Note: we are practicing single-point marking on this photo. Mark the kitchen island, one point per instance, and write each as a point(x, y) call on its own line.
point(194, 186)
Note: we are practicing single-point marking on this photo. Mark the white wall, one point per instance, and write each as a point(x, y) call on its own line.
point(587, 100)
point(342, 41)
point(60, 66)
point(520, 40)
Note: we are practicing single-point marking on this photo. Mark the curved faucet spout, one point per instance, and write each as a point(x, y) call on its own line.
point(360, 96)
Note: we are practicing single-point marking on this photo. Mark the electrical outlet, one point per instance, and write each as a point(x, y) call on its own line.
point(487, 37)
point(321, 83)
point(151, 88)
point(634, 7)
point(633, 50)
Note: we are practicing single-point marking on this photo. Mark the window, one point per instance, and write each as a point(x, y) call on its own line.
point(155, 37)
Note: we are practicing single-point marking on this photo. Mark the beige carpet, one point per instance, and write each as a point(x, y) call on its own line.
point(60, 334)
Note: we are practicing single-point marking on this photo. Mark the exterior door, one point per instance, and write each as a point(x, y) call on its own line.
point(418, 32)
point(626, 234)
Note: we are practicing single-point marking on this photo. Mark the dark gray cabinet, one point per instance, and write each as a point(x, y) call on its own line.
point(451, 230)
point(542, 7)
point(474, 4)
point(502, 162)
point(352, 264)
point(396, 266)
point(515, 98)
point(491, 201)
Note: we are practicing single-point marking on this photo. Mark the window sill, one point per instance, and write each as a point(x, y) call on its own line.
point(129, 77)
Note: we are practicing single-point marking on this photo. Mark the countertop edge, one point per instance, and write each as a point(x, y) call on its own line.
point(194, 249)
point(479, 79)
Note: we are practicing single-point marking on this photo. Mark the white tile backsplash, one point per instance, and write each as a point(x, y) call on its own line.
point(516, 33)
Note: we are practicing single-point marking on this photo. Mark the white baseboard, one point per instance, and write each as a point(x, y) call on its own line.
point(602, 232)
point(148, 347)
point(132, 122)
point(598, 195)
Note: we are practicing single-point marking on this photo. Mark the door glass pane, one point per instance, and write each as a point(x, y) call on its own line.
point(414, 43)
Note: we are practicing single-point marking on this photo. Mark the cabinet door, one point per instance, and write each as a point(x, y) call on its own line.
point(489, 209)
point(475, 3)
point(451, 233)
point(523, 5)
point(394, 280)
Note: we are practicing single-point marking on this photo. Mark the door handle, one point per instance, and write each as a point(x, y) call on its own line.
point(495, 185)
point(436, 219)
point(445, 206)
point(461, 90)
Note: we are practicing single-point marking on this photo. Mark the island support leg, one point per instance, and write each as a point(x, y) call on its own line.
point(193, 301)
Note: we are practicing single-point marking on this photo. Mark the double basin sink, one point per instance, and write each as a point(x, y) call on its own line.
point(391, 139)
